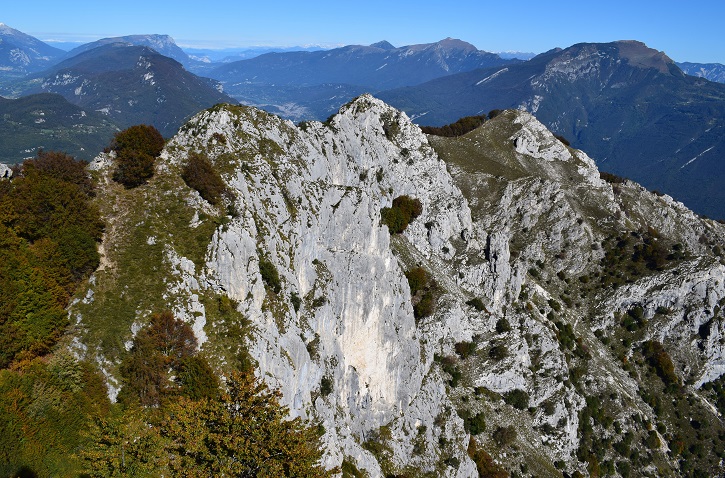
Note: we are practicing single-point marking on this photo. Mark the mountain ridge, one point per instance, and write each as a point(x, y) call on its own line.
point(510, 216)
point(21, 54)
point(638, 114)
point(131, 85)
point(162, 44)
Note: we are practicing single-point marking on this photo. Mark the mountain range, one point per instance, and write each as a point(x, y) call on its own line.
point(710, 71)
point(162, 44)
point(378, 66)
point(630, 107)
point(534, 317)
point(130, 85)
point(498, 303)
point(300, 85)
point(21, 54)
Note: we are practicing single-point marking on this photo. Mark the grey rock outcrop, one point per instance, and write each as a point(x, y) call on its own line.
point(515, 232)
point(5, 171)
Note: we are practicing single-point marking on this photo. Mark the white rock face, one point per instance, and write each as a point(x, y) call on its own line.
point(5, 171)
point(311, 205)
point(339, 337)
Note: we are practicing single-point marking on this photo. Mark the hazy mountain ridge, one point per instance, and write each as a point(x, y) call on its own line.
point(377, 66)
point(510, 217)
point(709, 71)
point(162, 44)
point(131, 85)
point(291, 83)
point(21, 54)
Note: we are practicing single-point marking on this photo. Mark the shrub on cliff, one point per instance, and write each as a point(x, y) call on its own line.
point(199, 174)
point(402, 212)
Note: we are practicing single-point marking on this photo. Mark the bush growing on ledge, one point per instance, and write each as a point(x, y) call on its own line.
point(660, 360)
point(517, 398)
point(134, 169)
point(611, 178)
point(269, 274)
point(144, 138)
point(563, 140)
point(136, 148)
point(417, 279)
point(421, 292)
point(199, 174)
point(459, 128)
point(402, 212)
point(477, 304)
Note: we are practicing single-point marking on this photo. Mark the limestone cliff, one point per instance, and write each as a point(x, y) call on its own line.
point(547, 280)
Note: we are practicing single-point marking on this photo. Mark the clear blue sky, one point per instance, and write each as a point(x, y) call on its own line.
point(686, 31)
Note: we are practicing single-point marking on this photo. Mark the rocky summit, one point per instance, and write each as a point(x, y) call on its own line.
point(536, 318)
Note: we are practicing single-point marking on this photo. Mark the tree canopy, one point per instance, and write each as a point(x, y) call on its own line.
point(244, 433)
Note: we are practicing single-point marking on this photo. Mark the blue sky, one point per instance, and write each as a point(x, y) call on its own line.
point(686, 31)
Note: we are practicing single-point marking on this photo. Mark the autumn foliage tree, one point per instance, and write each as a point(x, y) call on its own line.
point(165, 348)
point(244, 433)
point(49, 229)
point(136, 149)
point(199, 174)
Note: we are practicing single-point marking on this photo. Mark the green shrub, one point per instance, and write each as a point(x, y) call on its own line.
point(63, 167)
point(418, 279)
point(611, 178)
point(404, 209)
point(296, 301)
point(48, 233)
point(269, 274)
point(421, 290)
point(660, 360)
point(473, 424)
point(465, 349)
point(477, 304)
point(326, 386)
point(498, 352)
point(565, 334)
point(554, 305)
point(133, 169)
point(199, 174)
point(502, 325)
point(459, 128)
point(449, 364)
point(143, 138)
point(517, 398)
point(349, 470)
point(196, 379)
point(425, 306)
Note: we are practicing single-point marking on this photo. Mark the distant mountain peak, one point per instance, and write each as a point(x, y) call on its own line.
point(640, 55)
point(455, 43)
point(163, 44)
point(383, 45)
point(21, 53)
